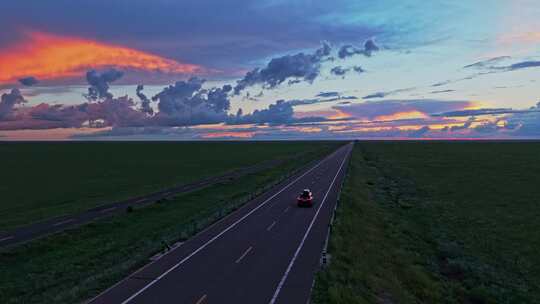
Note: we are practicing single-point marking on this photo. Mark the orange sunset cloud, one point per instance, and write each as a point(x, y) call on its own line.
point(402, 115)
point(47, 56)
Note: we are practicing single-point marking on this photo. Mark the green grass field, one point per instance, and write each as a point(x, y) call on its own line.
point(77, 264)
point(43, 180)
point(437, 222)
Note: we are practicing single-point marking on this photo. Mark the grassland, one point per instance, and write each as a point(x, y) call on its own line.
point(439, 222)
point(79, 263)
point(43, 180)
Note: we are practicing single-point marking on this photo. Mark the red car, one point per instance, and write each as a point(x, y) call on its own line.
point(305, 199)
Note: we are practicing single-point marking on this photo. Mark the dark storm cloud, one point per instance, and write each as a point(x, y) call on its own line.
point(300, 66)
point(99, 83)
point(350, 50)
point(29, 81)
point(8, 101)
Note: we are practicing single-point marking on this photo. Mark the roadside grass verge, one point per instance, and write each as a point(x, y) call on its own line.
point(44, 180)
point(79, 263)
point(440, 222)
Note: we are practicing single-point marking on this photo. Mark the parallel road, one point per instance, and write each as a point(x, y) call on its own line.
point(61, 223)
point(266, 252)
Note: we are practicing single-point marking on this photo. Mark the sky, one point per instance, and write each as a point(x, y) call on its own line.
point(265, 70)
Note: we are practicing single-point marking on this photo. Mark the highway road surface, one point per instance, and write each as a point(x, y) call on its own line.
point(266, 252)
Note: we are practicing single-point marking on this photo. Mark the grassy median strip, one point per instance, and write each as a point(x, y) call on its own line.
point(79, 263)
point(441, 222)
point(43, 180)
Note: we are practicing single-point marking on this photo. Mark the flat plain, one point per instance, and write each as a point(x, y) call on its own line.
point(437, 222)
point(74, 265)
point(43, 180)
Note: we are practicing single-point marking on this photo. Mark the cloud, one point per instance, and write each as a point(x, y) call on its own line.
point(449, 81)
point(375, 95)
point(99, 83)
point(47, 56)
point(118, 112)
point(186, 103)
point(350, 50)
point(339, 71)
point(442, 91)
point(487, 63)
point(276, 122)
point(8, 101)
point(419, 133)
point(358, 69)
point(321, 98)
point(145, 102)
point(384, 94)
point(485, 111)
point(523, 65)
point(280, 112)
point(377, 109)
point(300, 66)
point(192, 31)
point(442, 83)
point(29, 81)
point(301, 102)
point(465, 126)
point(370, 47)
point(493, 65)
point(327, 94)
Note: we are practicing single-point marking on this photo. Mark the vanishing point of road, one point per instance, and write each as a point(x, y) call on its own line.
point(266, 252)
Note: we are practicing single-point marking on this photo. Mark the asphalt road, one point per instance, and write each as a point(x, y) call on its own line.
point(58, 224)
point(266, 252)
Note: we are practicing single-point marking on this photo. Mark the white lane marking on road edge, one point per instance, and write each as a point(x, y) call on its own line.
point(295, 256)
point(243, 255)
point(6, 238)
point(64, 222)
point(201, 300)
point(154, 281)
point(141, 200)
point(271, 226)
